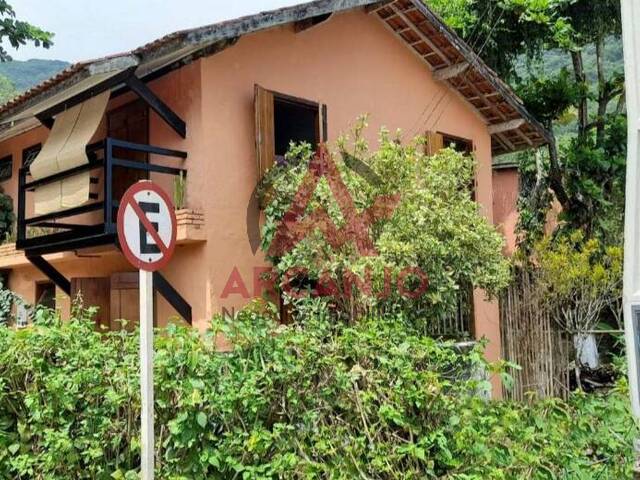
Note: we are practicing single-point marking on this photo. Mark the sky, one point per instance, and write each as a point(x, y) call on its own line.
point(86, 29)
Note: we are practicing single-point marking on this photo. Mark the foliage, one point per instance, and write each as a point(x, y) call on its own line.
point(179, 191)
point(549, 97)
point(579, 279)
point(580, 283)
point(435, 227)
point(7, 89)
point(7, 217)
point(18, 32)
point(585, 161)
point(372, 400)
point(7, 301)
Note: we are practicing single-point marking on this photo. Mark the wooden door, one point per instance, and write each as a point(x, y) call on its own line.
point(129, 122)
point(94, 292)
point(125, 301)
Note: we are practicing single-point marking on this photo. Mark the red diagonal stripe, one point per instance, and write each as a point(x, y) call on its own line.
point(148, 227)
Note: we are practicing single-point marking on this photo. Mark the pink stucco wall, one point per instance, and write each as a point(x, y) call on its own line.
point(506, 188)
point(351, 63)
point(325, 64)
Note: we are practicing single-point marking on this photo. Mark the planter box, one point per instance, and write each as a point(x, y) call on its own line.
point(191, 228)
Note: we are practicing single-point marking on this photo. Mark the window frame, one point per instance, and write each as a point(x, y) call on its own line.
point(36, 147)
point(40, 289)
point(438, 140)
point(7, 159)
point(448, 139)
point(264, 111)
point(302, 103)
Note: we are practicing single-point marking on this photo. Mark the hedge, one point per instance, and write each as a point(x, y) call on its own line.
point(369, 401)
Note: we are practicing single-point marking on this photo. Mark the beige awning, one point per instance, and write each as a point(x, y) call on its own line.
point(65, 149)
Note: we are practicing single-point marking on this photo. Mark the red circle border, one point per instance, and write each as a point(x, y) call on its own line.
point(127, 198)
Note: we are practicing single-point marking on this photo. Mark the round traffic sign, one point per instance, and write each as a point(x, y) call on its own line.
point(146, 226)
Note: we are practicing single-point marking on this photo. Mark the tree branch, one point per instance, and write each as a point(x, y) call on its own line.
point(603, 95)
point(578, 71)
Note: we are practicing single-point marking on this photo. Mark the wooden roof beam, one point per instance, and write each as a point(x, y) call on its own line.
point(505, 141)
point(442, 74)
point(506, 126)
point(525, 137)
point(500, 147)
point(488, 104)
point(376, 7)
point(488, 95)
point(419, 33)
point(170, 117)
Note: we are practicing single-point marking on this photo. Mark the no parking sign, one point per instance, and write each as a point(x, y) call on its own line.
point(147, 236)
point(147, 226)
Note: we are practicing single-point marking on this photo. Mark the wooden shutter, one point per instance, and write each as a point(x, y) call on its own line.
point(265, 138)
point(435, 143)
point(125, 300)
point(94, 293)
point(324, 134)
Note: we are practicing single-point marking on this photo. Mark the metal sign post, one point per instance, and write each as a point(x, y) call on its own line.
point(631, 277)
point(147, 236)
point(631, 281)
point(146, 375)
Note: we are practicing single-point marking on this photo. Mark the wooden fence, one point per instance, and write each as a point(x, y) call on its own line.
point(459, 324)
point(532, 340)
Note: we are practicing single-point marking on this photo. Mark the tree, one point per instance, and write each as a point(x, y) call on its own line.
point(432, 230)
point(584, 167)
point(578, 281)
point(18, 32)
point(7, 89)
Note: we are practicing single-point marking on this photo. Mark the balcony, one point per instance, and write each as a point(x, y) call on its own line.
point(93, 224)
point(191, 230)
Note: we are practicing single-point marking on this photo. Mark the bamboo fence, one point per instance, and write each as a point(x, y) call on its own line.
point(531, 340)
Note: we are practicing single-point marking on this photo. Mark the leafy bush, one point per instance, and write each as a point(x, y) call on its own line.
point(8, 299)
point(7, 217)
point(322, 400)
point(579, 283)
point(579, 279)
point(435, 226)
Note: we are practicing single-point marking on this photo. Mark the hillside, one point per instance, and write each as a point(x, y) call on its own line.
point(554, 60)
point(25, 74)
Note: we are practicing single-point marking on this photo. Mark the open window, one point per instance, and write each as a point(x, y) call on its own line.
point(281, 119)
point(46, 294)
point(29, 154)
point(459, 144)
point(437, 141)
point(6, 168)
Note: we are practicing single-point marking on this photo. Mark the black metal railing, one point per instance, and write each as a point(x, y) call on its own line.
point(71, 236)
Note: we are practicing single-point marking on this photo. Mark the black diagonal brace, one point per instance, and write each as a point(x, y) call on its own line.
point(171, 295)
point(158, 106)
point(46, 116)
point(49, 270)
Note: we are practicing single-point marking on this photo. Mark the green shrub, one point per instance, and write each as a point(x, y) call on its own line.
point(323, 400)
point(7, 217)
point(435, 227)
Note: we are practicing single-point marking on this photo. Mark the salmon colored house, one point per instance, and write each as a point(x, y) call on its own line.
point(506, 190)
point(214, 107)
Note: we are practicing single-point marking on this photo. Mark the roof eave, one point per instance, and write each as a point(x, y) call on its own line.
point(179, 48)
